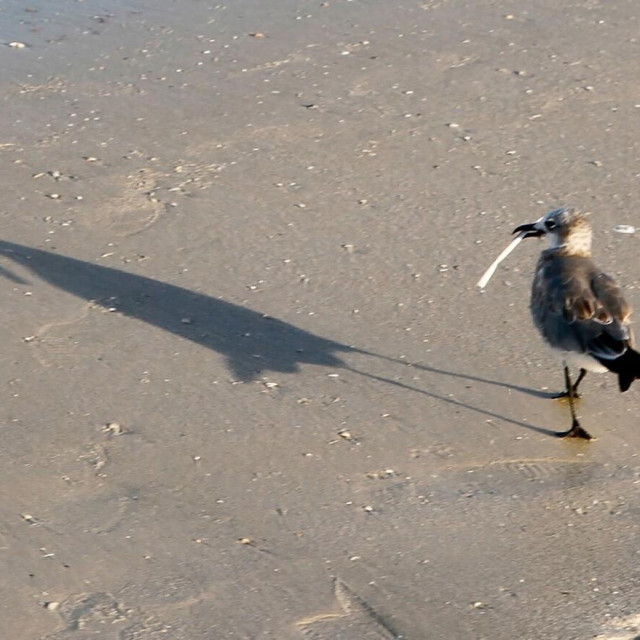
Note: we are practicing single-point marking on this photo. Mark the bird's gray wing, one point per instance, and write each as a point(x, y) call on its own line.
point(583, 310)
point(614, 312)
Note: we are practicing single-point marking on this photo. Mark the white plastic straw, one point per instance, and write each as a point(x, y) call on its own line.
point(482, 283)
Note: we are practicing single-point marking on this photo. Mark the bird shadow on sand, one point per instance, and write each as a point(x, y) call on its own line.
point(251, 342)
point(496, 383)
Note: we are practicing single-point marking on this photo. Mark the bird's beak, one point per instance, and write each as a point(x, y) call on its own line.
point(530, 230)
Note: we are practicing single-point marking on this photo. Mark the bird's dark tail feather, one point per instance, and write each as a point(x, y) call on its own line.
point(627, 366)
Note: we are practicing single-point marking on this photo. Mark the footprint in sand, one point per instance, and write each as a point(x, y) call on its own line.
point(356, 621)
point(95, 615)
point(623, 629)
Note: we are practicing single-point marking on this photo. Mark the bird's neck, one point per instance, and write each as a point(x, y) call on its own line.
point(575, 244)
point(569, 250)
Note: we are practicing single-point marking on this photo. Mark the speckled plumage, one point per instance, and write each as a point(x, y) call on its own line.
point(579, 310)
point(576, 307)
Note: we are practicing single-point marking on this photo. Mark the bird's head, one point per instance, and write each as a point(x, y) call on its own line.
point(568, 231)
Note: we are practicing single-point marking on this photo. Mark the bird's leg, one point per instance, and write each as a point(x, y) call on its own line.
point(576, 430)
point(565, 393)
point(581, 375)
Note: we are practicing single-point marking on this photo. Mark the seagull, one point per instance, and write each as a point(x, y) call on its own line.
point(578, 309)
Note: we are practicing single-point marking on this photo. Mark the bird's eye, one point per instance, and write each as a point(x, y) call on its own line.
point(551, 224)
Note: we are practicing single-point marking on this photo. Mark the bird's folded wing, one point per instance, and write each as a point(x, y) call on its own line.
point(589, 315)
point(609, 294)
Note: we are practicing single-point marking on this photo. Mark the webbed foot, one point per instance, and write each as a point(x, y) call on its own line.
point(565, 394)
point(576, 431)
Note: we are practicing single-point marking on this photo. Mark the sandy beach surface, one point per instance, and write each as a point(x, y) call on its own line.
point(250, 389)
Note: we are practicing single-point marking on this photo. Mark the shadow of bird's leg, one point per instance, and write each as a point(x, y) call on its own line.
point(576, 395)
point(576, 430)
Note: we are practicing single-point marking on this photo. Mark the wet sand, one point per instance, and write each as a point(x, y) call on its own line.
point(250, 387)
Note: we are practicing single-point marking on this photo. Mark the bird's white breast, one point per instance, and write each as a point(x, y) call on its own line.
point(581, 360)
